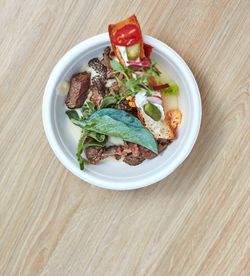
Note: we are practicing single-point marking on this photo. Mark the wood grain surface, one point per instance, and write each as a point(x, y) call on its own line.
point(195, 222)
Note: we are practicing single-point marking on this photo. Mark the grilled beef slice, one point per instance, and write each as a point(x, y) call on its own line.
point(106, 57)
point(133, 154)
point(99, 83)
point(133, 160)
point(78, 91)
point(99, 68)
point(144, 153)
point(96, 96)
point(163, 144)
point(99, 80)
point(94, 154)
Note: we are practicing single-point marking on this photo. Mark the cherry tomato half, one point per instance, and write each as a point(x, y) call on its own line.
point(127, 35)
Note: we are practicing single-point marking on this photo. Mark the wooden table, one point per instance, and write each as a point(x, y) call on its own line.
point(195, 222)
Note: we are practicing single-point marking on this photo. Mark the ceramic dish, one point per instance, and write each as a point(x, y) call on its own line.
point(112, 174)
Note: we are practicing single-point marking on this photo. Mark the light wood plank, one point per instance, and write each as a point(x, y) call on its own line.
point(196, 221)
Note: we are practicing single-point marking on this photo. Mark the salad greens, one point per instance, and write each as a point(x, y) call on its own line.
point(134, 82)
point(137, 81)
point(117, 123)
point(118, 68)
point(97, 139)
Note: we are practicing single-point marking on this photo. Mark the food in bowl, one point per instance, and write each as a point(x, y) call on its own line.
point(124, 103)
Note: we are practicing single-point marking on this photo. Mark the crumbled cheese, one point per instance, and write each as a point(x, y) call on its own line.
point(114, 141)
point(110, 82)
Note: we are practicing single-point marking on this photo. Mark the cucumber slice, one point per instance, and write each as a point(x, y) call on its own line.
point(152, 111)
point(133, 52)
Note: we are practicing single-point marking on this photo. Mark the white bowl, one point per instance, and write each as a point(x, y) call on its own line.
point(112, 174)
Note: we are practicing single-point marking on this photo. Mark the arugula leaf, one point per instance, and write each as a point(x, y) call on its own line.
point(93, 143)
point(118, 80)
point(135, 82)
point(152, 71)
point(72, 114)
point(87, 109)
point(90, 105)
point(97, 136)
point(82, 162)
point(83, 146)
point(108, 101)
point(132, 85)
point(116, 66)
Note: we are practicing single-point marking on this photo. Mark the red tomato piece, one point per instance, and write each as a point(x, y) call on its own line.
point(127, 35)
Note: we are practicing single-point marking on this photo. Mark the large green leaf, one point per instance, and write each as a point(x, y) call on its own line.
point(119, 115)
point(118, 123)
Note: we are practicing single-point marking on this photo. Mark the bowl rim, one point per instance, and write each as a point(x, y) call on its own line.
point(47, 110)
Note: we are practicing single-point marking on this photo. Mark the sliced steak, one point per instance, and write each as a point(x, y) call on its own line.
point(133, 154)
point(94, 154)
point(78, 91)
point(99, 80)
point(163, 144)
point(146, 153)
point(110, 151)
point(100, 85)
point(96, 97)
point(133, 160)
point(134, 149)
point(106, 57)
point(106, 62)
point(99, 68)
